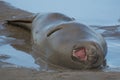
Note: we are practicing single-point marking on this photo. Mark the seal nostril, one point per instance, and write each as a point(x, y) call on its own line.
point(92, 58)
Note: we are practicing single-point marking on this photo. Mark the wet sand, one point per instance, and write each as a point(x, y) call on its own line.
point(16, 38)
point(26, 74)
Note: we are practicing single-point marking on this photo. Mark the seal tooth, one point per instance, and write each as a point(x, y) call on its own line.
point(73, 53)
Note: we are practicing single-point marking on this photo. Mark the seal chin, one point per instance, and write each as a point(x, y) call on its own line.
point(85, 56)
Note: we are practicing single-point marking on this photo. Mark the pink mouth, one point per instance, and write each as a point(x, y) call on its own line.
point(80, 54)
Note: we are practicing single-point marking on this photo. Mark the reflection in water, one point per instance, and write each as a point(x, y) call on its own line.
point(16, 57)
point(5, 40)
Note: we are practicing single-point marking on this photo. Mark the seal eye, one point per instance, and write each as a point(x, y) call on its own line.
point(53, 31)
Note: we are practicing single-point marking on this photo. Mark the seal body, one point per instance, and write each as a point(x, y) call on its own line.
point(65, 42)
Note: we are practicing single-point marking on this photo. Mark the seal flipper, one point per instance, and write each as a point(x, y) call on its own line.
point(23, 22)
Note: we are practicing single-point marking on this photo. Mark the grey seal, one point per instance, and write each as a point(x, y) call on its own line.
point(65, 42)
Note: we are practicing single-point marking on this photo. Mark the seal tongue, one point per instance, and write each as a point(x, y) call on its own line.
point(80, 54)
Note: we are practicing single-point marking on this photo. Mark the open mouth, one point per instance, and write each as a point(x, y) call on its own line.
point(80, 54)
point(83, 55)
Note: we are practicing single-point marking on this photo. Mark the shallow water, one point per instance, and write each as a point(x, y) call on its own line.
point(16, 57)
point(13, 54)
point(113, 43)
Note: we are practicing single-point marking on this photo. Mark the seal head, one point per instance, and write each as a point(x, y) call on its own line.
point(76, 46)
